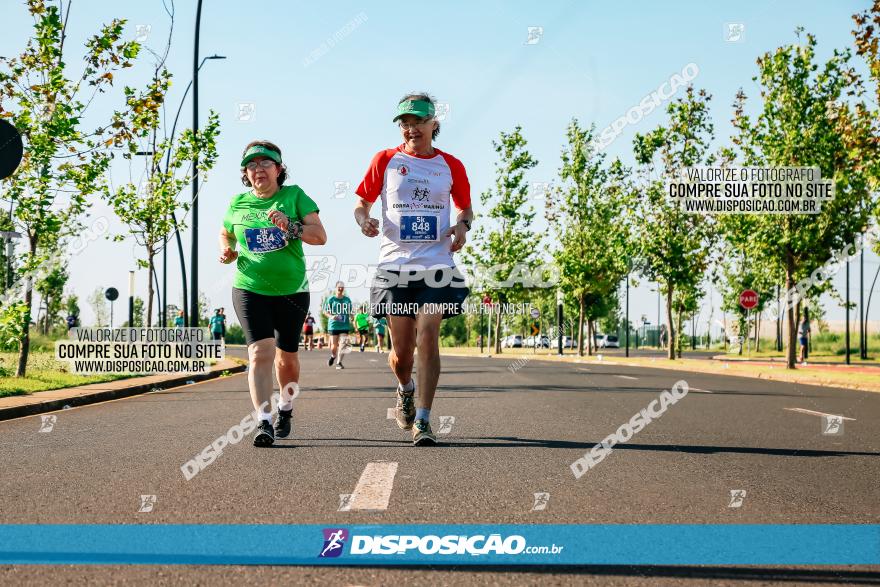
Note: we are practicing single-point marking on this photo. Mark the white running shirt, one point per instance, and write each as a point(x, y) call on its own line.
point(416, 192)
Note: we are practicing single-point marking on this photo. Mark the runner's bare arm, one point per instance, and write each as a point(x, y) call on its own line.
point(369, 226)
point(313, 230)
point(228, 254)
point(459, 230)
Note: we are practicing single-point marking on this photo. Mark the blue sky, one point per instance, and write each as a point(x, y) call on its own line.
point(594, 61)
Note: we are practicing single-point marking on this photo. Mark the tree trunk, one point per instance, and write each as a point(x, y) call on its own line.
point(678, 329)
point(589, 337)
point(498, 329)
point(792, 326)
point(150, 255)
point(757, 332)
point(24, 344)
point(670, 330)
point(581, 324)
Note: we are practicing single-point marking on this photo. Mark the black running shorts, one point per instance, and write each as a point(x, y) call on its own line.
point(399, 293)
point(278, 317)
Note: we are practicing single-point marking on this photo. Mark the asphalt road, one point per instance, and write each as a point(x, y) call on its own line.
point(515, 433)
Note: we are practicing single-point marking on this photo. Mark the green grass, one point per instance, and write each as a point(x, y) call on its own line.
point(829, 346)
point(43, 373)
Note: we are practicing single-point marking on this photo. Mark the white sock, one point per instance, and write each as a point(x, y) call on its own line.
point(287, 394)
point(408, 387)
point(265, 417)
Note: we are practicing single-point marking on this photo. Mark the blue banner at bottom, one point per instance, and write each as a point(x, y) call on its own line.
point(612, 544)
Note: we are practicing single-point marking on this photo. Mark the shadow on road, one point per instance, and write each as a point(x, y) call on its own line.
point(514, 442)
point(733, 573)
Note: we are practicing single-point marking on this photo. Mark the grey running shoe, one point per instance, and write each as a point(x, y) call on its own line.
point(405, 411)
point(422, 434)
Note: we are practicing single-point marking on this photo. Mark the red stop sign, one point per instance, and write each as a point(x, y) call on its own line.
point(748, 299)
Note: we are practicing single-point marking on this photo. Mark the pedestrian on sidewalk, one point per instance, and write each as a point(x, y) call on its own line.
point(804, 335)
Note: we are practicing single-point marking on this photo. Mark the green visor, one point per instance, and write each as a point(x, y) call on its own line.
point(260, 151)
point(420, 108)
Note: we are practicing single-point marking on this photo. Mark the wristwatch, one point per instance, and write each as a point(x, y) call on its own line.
point(294, 230)
point(467, 224)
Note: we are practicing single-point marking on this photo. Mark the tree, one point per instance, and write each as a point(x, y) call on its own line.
point(508, 247)
point(138, 313)
point(99, 306)
point(799, 124)
point(204, 312)
point(51, 289)
point(48, 109)
point(589, 215)
point(674, 247)
point(173, 309)
point(71, 304)
point(147, 205)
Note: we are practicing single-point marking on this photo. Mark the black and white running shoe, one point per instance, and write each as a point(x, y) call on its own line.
point(265, 436)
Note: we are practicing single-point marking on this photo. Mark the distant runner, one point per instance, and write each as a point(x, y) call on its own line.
point(362, 322)
point(338, 309)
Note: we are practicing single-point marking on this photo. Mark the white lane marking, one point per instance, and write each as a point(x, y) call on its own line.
point(627, 377)
point(698, 390)
point(391, 413)
point(329, 387)
point(584, 370)
point(373, 490)
point(812, 413)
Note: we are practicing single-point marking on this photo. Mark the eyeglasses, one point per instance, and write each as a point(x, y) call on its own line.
point(412, 126)
point(264, 163)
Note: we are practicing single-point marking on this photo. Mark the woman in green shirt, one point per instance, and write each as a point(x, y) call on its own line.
point(268, 224)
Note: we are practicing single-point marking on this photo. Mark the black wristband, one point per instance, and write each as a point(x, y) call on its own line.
point(294, 230)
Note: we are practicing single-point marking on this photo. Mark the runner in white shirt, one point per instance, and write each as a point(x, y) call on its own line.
point(417, 284)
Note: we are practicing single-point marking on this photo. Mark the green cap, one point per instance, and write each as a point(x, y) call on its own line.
point(420, 108)
point(260, 151)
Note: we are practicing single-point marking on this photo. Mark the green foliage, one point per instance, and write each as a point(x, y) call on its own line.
point(100, 307)
point(805, 120)
point(235, 334)
point(148, 207)
point(509, 243)
point(12, 318)
point(590, 216)
point(71, 304)
point(454, 331)
point(48, 108)
point(51, 287)
point(674, 247)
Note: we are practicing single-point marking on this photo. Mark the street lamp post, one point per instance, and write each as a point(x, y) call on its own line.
point(863, 334)
point(846, 336)
point(131, 299)
point(10, 250)
point(194, 252)
point(559, 300)
point(627, 314)
point(174, 217)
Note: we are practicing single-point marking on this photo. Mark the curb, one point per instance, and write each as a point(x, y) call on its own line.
point(104, 395)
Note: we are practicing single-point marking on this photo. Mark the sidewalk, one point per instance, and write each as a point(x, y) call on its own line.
point(58, 399)
point(856, 365)
point(863, 378)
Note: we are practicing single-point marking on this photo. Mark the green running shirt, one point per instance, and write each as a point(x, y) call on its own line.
point(267, 264)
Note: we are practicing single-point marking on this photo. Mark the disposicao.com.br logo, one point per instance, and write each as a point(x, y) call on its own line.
point(402, 544)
